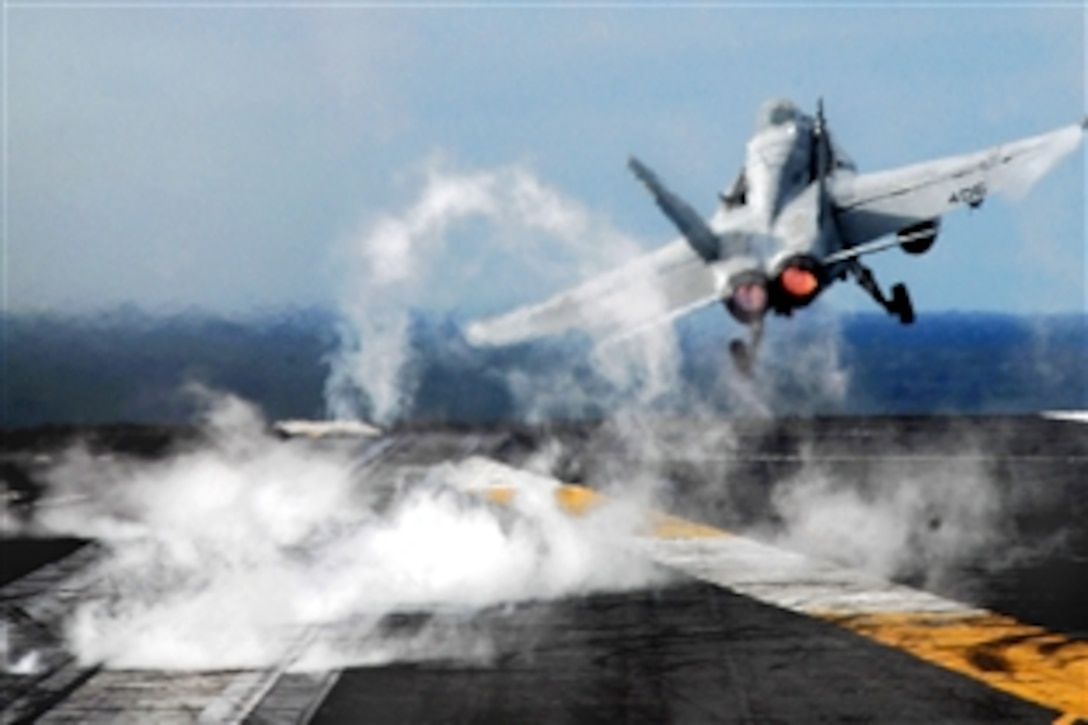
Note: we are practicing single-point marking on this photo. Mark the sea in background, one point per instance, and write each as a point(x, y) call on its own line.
point(130, 366)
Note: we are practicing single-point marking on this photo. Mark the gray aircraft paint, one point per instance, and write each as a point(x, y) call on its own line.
point(790, 207)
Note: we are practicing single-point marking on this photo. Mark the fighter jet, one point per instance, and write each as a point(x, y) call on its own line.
point(798, 218)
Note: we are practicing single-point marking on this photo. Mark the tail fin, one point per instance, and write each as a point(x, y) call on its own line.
point(701, 238)
point(824, 155)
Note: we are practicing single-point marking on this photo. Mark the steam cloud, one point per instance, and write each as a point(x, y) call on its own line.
point(502, 238)
point(496, 230)
point(265, 538)
point(220, 556)
point(921, 523)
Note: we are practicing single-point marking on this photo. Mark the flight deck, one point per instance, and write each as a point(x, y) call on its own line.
point(816, 570)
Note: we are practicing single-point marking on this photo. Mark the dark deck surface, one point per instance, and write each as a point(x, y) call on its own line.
point(691, 652)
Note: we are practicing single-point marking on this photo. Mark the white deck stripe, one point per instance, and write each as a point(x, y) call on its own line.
point(1072, 416)
point(790, 580)
point(991, 648)
point(776, 576)
point(248, 689)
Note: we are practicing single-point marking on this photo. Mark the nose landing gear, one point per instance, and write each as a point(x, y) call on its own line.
point(744, 354)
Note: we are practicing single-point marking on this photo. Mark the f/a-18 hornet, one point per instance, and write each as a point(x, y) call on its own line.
point(798, 218)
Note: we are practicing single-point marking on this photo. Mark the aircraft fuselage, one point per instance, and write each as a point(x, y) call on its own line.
point(787, 227)
point(798, 218)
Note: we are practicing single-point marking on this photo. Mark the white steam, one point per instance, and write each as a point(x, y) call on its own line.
point(496, 240)
point(922, 522)
point(220, 556)
point(494, 236)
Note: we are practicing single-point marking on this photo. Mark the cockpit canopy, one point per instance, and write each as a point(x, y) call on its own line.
point(777, 112)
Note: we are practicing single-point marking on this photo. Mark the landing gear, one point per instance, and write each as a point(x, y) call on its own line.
point(744, 354)
point(899, 305)
point(743, 357)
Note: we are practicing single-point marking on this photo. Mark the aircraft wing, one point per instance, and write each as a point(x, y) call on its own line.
point(650, 290)
point(873, 205)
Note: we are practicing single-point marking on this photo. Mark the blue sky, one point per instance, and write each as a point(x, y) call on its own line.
point(216, 156)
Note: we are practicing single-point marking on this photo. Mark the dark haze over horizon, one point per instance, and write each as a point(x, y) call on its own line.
point(130, 366)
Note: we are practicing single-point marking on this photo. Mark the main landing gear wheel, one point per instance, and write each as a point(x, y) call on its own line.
point(742, 357)
point(900, 304)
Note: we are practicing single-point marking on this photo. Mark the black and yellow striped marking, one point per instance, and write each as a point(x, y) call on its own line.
point(1030, 662)
point(1047, 668)
point(579, 500)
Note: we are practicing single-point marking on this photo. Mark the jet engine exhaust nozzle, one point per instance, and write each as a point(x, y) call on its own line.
point(798, 282)
point(749, 300)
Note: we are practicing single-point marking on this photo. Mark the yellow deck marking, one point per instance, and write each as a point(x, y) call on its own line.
point(580, 500)
point(500, 494)
point(1025, 660)
point(574, 500)
point(577, 500)
point(1070, 719)
point(674, 527)
point(1047, 668)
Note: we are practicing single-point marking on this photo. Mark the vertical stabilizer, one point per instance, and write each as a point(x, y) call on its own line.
point(823, 156)
point(700, 236)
